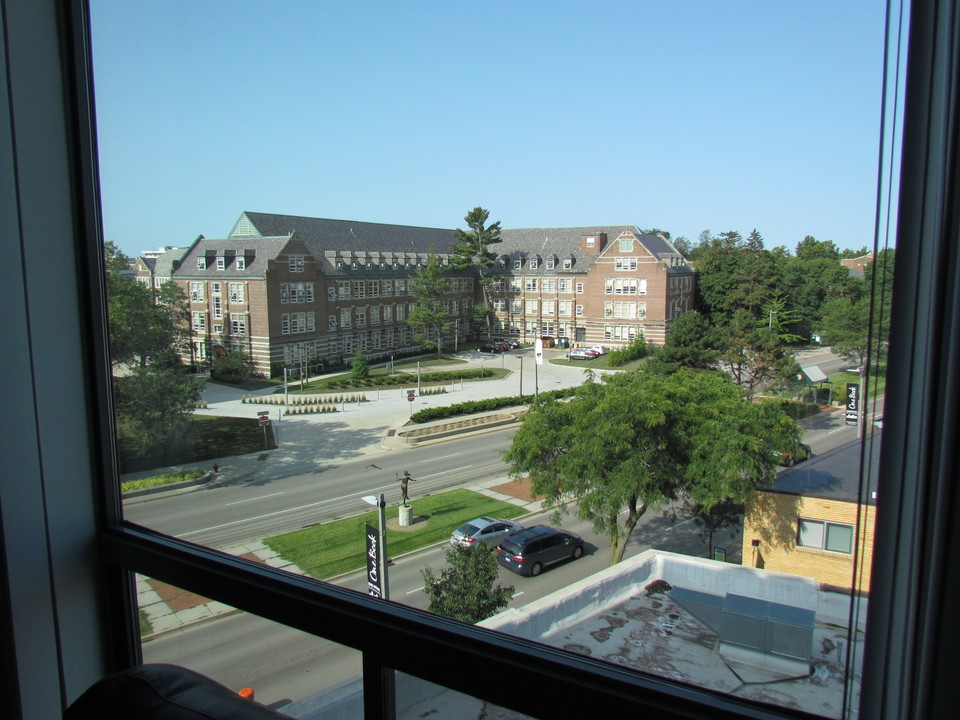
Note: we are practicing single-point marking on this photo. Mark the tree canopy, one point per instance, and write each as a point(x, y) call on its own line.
point(144, 321)
point(466, 589)
point(640, 439)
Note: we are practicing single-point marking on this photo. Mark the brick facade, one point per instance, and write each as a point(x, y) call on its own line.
point(772, 519)
point(288, 290)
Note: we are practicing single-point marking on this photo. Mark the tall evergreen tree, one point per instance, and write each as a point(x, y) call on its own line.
point(472, 251)
point(431, 318)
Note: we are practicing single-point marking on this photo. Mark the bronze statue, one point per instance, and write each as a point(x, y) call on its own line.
point(404, 481)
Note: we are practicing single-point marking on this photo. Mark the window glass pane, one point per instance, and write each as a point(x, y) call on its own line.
point(270, 431)
point(839, 538)
point(290, 671)
point(811, 534)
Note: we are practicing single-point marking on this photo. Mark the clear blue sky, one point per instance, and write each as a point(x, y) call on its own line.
point(683, 116)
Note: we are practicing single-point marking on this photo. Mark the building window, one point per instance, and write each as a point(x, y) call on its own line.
point(359, 289)
point(238, 324)
point(196, 292)
point(373, 288)
point(530, 284)
point(296, 263)
point(237, 295)
point(568, 263)
point(401, 287)
point(518, 263)
point(199, 322)
point(332, 323)
point(375, 315)
point(548, 285)
point(343, 289)
point(534, 262)
point(201, 262)
point(346, 318)
point(625, 310)
point(361, 317)
point(241, 262)
point(548, 307)
point(217, 307)
point(566, 307)
point(579, 288)
point(626, 245)
point(551, 262)
point(531, 307)
point(823, 535)
point(387, 314)
point(500, 304)
point(641, 286)
point(387, 288)
point(591, 242)
point(516, 284)
point(579, 310)
point(221, 262)
point(564, 285)
point(625, 264)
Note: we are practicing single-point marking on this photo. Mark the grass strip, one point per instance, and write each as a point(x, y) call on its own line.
point(158, 480)
point(327, 550)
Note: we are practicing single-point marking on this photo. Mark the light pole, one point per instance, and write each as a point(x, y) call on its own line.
point(521, 376)
point(381, 503)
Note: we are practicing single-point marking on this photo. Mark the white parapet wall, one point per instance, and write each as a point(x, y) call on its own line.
point(597, 593)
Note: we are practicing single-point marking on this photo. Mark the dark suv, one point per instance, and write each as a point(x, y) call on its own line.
point(529, 551)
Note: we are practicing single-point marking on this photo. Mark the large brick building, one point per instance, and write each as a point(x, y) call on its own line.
point(285, 288)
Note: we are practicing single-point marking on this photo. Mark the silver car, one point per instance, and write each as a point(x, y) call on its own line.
point(486, 530)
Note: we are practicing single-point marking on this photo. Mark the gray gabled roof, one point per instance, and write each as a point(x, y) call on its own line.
point(163, 265)
point(320, 235)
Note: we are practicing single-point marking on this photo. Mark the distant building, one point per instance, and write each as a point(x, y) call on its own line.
point(814, 523)
point(858, 265)
point(289, 289)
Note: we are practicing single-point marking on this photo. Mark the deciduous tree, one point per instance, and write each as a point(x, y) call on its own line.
point(467, 590)
point(640, 440)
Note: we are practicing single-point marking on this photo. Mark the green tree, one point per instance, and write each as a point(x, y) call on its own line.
point(810, 248)
point(144, 321)
point(153, 404)
point(690, 344)
point(846, 328)
point(472, 251)
point(231, 366)
point(113, 257)
point(753, 355)
point(359, 370)
point(640, 440)
point(466, 590)
point(431, 318)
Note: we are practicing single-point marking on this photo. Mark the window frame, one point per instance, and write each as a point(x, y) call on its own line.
point(909, 633)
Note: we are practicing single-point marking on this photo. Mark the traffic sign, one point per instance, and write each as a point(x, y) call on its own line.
point(411, 395)
point(264, 420)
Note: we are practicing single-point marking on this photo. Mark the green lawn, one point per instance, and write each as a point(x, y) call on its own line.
point(878, 380)
point(158, 480)
point(324, 551)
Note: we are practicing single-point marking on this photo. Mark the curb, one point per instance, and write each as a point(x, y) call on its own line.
point(203, 479)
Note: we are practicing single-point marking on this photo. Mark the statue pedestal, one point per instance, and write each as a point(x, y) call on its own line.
point(406, 516)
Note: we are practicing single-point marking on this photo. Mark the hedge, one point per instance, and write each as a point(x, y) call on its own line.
point(485, 405)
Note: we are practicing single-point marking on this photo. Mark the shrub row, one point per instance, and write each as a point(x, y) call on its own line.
point(485, 405)
point(300, 400)
point(310, 409)
point(410, 378)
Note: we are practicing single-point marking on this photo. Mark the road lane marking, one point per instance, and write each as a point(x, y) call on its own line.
point(444, 457)
point(238, 502)
point(445, 472)
point(679, 524)
point(417, 590)
point(271, 514)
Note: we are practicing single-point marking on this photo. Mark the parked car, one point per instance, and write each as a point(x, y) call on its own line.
point(486, 530)
point(529, 551)
point(503, 345)
point(489, 348)
point(599, 349)
point(789, 459)
point(512, 342)
point(582, 354)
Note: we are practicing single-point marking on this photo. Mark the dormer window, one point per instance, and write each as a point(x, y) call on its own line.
point(241, 262)
point(202, 262)
point(518, 263)
point(591, 242)
point(534, 262)
point(502, 262)
point(551, 262)
point(568, 263)
point(221, 262)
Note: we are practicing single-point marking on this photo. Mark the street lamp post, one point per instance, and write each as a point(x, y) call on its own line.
point(381, 503)
point(521, 376)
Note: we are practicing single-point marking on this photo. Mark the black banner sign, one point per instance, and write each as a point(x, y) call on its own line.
point(852, 409)
point(374, 554)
